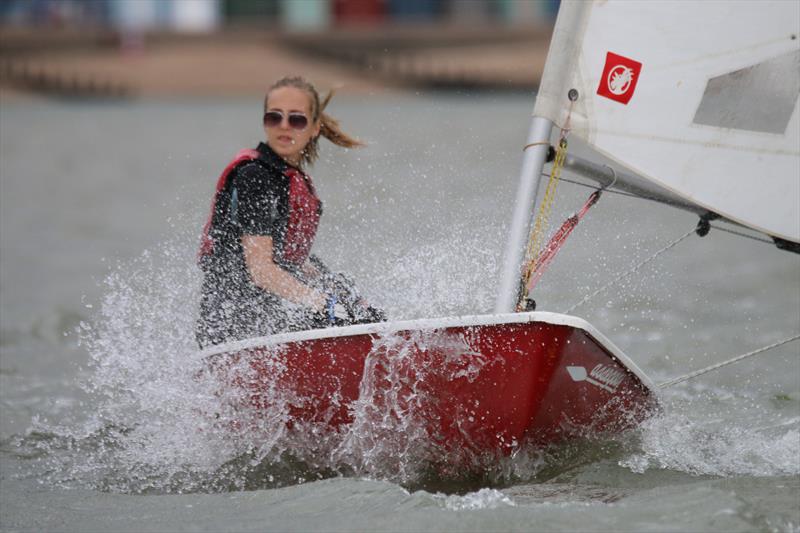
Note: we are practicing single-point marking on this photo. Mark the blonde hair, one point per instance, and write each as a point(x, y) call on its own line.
point(329, 126)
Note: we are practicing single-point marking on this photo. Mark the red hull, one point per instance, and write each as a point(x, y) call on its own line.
point(477, 386)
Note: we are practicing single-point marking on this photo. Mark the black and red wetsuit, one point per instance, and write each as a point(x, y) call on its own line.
point(257, 194)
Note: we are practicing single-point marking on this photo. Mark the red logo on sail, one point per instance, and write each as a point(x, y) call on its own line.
point(619, 78)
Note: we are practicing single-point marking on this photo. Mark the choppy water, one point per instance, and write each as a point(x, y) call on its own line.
point(102, 424)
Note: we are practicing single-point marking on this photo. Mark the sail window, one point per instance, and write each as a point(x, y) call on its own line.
point(757, 98)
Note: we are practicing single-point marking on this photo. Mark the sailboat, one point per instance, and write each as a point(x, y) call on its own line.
point(697, 114)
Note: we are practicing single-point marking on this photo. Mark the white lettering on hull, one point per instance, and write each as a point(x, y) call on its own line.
point(605, 377)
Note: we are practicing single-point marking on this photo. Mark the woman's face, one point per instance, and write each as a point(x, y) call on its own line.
point(285, 140)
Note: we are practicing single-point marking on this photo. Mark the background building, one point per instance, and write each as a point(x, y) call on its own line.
point(210, 15)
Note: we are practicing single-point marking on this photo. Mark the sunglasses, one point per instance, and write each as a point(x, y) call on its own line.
point(297, 121)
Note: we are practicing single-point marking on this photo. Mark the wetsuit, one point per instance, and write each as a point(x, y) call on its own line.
point(260, 195)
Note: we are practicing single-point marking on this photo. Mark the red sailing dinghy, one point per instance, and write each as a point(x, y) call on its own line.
point(480, 386)
point(494, 384)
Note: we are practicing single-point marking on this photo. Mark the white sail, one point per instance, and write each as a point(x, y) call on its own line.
point(700, 98)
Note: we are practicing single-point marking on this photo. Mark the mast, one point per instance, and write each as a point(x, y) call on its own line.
point(530, 175)
point(564, 47)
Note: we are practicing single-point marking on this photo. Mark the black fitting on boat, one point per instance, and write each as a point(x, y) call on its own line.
point(529, 305)
point(551, 154)
point(704, 224)
point(573, 95)
point(789, 246)
point(703, 227)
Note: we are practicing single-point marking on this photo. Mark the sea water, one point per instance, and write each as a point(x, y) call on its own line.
point(104, 422)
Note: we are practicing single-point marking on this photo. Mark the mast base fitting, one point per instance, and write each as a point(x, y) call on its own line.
point(529, 304)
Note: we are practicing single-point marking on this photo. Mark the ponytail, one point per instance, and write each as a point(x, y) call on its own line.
point(329, 126)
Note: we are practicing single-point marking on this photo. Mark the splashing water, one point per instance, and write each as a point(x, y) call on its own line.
point(445, 278)
point(397, 399)
point(162, 422)
point(482, 499)
point(675, 441)
point(144, 378)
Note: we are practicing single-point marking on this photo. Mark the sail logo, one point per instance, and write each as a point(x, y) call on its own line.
point(606, 377)
point(619, 78)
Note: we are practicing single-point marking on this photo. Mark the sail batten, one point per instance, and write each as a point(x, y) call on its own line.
point(702, 99)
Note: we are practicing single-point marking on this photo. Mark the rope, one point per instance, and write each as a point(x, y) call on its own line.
point(535, 144)
point(557, 241)
point(630, 271)
point(535, 244)
point(614, 172)
point(532, 255)
point(702, 371)
point(604, 189)
point(740, 234)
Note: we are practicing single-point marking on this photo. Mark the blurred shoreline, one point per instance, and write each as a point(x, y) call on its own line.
point(96, 64)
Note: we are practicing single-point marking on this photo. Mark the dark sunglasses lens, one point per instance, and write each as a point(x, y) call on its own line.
point(272, 119)
point(298, 122)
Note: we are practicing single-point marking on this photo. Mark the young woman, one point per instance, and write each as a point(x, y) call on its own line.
point(259, 276)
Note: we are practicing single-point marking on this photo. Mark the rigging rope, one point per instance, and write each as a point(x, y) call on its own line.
point(532, 255)
point(630, 271)
point(557, 241)
point(707, 369)
point(540, 222)
point(742, 234)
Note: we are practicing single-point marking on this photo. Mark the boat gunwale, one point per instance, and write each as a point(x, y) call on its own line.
point(429, 324)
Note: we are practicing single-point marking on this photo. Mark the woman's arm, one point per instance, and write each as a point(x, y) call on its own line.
point(269, 276)
point(310, 271)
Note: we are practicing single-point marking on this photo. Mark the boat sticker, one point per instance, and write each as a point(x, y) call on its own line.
point(603, 376)
point(619, 78)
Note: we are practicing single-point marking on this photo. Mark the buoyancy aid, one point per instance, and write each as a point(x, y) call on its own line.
point(206, 242)
point(304, 212)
